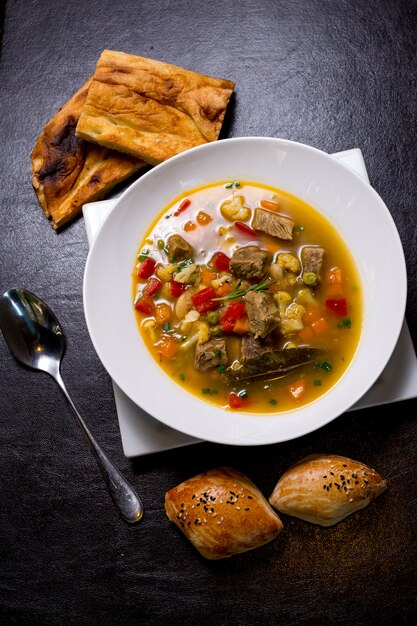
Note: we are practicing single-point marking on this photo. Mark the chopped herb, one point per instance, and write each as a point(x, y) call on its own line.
point(209, 392)
point(220, 369)
point(319, 365)
point(167, 326)
point(346, 323)
point(156, 296)
point(243, 394)
point(206, 391)
point(238, 293)
point(182, 376)
point(272, 401)
point(234, 185)
point(183, 264)
point(143, 255)
point(217, 352)
point(317, 382)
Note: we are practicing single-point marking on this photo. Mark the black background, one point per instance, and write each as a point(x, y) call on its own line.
point(332, 74)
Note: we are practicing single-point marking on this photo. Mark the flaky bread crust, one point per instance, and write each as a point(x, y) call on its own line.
point(150, 109)
point(222, 513)
point(67, 171)
point(324, 489)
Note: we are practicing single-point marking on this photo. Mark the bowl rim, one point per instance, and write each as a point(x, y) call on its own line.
point(319, 422)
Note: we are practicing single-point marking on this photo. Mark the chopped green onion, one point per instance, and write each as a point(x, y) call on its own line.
point(317, 382)
point(156, 296)
point(346, 323)
point(143, 255)
point(182, 377)
point(183, 264)
point(272, 401)
point(217, 352)
point(167, 326)
point(209, 392)
point(233, 185)
point(327, 367)
point(220, 369)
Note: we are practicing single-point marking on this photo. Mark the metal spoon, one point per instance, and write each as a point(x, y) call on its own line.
point(35, 337)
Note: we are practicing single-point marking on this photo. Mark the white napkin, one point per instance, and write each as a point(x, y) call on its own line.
point(142, 434)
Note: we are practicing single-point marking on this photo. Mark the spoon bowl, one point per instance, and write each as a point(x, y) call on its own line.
point(35, 337)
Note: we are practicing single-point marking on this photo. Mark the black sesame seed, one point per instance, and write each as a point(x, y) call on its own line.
point(356, 482)
point(331, 474)
point(250, 498)
point(324, 486)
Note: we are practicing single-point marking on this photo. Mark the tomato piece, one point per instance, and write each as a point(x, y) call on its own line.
point(221, 262)
point(337, 306)
point(236, 401)
point(177, 289)
point(145, 305)
point(153, 286)
point(244, 228)
point(184, 205)
point(234, 311)
point(204, 300)
point(146, 268)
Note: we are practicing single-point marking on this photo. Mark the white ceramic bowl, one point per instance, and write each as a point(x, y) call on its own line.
point(348, 202)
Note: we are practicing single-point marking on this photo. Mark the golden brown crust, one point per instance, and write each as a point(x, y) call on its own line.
point(222, 513)
point(67, 171)
point(151, 109)
point(324, 489)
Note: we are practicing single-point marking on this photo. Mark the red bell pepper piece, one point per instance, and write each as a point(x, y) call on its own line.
point(146, 268)
point(234, 311)
point(244, 228)
point(177, 289)
point(221, 262)
point(153, 286)
point(337, 306)
point(204, 300)
point(184, 205)
point(145, 305)
point(236, 401)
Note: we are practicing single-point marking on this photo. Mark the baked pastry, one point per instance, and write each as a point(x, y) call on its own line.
point(222, 513)
point(324, 489)
point(67, 171)
point(151, 109)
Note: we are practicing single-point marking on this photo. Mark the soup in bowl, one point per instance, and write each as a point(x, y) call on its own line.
point(258, 310)
point(247, 297)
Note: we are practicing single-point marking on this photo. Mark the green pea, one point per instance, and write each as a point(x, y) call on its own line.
point(310, 278)
point(213, 317)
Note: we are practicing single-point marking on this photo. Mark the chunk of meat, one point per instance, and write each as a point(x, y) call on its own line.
point(312, 259)
point(251, 348)
point(273, 224)
point(263, 313)
point(179, 249)
point(249, 262)
point(210, 354)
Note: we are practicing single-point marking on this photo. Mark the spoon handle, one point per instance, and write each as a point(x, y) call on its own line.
point(125, 498)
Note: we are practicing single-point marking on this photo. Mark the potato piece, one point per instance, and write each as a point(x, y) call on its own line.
point(234, 209)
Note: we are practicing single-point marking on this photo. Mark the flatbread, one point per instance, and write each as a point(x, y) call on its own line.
point(150, 109)
point(68, 171)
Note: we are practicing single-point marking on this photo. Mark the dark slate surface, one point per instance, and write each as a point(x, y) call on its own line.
point(329, 73)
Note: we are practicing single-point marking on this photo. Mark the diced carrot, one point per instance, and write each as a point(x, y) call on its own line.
point(312, 314)
point(188, 226)
point(297, 389)
point(268, 204)
point(223, 290)
point(207, 277)
point(167, 347)
point(334, 291)
point(163, 313)
point(320, 327)
point(306, 334)
point(203, 218)
point(334, 276)
point(241, 326)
